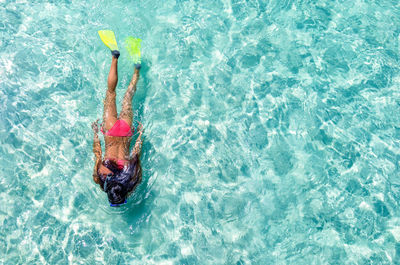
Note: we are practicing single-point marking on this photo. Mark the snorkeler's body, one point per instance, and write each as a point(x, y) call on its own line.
point(119, 172)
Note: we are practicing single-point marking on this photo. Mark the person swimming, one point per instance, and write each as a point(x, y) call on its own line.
point(120, 172)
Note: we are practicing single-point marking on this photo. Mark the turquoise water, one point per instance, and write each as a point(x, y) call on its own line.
point(272, 132)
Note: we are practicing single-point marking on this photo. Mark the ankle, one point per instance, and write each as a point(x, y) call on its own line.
point(115, 54)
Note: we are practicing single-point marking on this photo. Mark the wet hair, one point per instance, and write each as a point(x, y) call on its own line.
point(121, 182)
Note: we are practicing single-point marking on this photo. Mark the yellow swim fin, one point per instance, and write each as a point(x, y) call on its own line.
point(108, 38)
point(133, 46)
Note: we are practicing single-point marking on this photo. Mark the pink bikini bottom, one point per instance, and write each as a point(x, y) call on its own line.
point(120, 129)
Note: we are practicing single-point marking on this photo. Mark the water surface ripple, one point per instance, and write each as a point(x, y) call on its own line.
point(272, 132)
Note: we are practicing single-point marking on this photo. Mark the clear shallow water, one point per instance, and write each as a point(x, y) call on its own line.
point(272, 132)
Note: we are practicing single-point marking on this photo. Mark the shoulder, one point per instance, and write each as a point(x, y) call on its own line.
point(134, 165)
point(96, 178)
point(134, 159)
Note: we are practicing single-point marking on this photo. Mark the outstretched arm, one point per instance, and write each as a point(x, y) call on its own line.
point(96, 151)
point(138, 145)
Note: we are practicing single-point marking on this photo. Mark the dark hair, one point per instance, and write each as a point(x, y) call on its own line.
point(123, 181)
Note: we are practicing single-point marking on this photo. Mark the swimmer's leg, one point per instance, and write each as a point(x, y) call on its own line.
point(127, 112)
point(110, 108)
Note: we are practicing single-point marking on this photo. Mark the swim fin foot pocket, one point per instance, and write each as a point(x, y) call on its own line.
point(115, 53)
